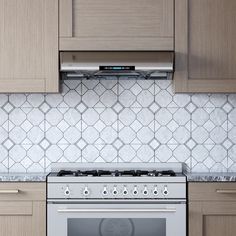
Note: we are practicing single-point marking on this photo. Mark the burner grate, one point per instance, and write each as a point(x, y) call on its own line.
point(117, 173)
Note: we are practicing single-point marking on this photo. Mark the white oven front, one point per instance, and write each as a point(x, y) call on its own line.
point(116, 219)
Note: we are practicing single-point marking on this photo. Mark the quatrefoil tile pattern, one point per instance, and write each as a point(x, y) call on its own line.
point(117, 120)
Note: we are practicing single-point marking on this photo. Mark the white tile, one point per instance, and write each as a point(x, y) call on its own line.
point(108, 98)
point(108, 135)
point(218, 135)
point(145, 153)
point(218, 153)
point(200, 116)
point(54, 116)
point(163, 153)
point(200, 100)
point(163, 98)
point(109, 153)
point(127, 98)
point(181, 100)
point(72, 135)
point(35, 100)
point(163, 135)
point(3, 153)
point(3, 99)
point(54, 100)
point(72, 98)
point(90, 98)
point(3, 135)
point(90, 153)
point(54, 135)
point(127, 153)
point(3, 117)
point(72, 153)
point(182, 153)
point(163, 116)
point(54, 153)
point(200, 135)
point(17, 100)
point(218, 100)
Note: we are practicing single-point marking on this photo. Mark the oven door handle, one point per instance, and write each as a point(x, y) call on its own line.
point(85, 210)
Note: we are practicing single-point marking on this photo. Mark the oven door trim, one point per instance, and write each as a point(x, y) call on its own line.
point(58, 214)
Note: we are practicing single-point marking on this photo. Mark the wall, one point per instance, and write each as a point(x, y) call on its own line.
point(117, 121)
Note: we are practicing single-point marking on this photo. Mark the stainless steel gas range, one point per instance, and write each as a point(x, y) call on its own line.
point(130, 199)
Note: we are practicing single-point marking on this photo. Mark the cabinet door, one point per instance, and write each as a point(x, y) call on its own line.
point(212, 219)
point(29, 46)
point(205, 35)
point(22, 218)
point(116, 25)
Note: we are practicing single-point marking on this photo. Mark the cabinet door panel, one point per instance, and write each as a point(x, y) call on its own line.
point(23, 218)
point(28, 46)
point(120, 25)
point(212, 218)
point(205, 46)
point(219, 225)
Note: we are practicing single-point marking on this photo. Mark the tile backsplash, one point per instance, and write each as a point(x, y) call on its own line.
point(117, 120)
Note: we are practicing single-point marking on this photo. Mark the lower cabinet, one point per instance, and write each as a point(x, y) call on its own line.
point(212, 209)
point(22, 209)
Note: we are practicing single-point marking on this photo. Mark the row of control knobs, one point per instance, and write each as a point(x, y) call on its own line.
point(124, 192)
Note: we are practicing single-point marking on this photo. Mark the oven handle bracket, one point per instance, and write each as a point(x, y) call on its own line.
point(84, 210)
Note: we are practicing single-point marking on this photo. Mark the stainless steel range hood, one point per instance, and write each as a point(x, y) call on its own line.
point(105, 64)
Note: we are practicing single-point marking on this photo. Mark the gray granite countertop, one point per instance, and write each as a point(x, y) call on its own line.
point(191, 177)
point(211, 177)
point(23, 177)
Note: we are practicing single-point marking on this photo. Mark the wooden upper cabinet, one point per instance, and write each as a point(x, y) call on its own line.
point(29, 46)
point(116, 25)
point(205, 35)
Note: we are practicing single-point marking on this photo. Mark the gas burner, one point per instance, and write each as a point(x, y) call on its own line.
point(162, 173)
point(117, 173)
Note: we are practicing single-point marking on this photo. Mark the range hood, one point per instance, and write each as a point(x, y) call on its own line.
point(142, 64)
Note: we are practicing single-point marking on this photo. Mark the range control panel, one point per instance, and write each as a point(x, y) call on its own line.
point(117, 190)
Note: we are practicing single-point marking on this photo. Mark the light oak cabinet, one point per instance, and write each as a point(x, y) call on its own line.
point(29, 46)
point(22, 209)
point(212, 209)
point(205, 36)
point(116, 25)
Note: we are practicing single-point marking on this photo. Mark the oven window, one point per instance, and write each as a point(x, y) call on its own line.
point(116, 227)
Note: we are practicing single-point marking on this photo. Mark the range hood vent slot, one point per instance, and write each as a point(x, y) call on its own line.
point(92, 65)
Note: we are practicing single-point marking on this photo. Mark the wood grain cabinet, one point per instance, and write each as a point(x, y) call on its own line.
point(205, 48)
point(22, 209)
point(29, 46)
point(116, 25)
point(212, 209)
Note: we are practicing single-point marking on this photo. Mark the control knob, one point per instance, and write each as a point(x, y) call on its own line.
point(67, 192)
point(145, 191)
point(155, 191)
point(104, 192)
point(86, 191)
point(135, 191)
point(125, 191)
point(165, 191)
point(114, 192)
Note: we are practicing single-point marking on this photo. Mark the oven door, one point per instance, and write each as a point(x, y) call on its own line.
point(116, 219)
